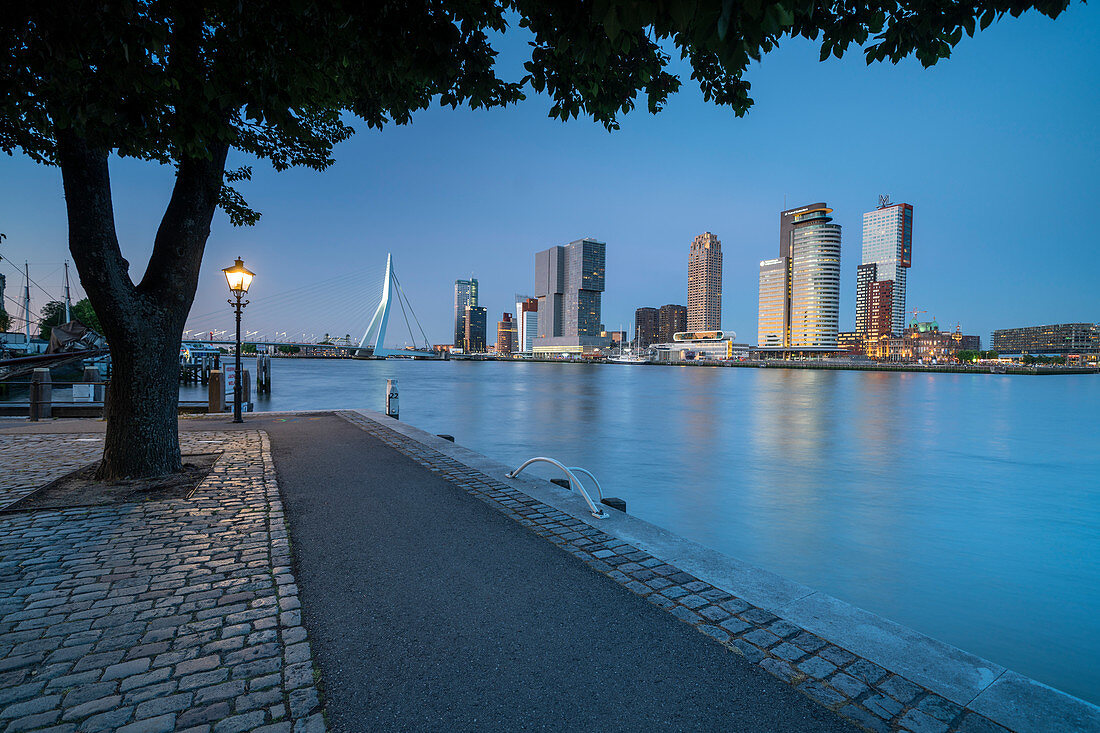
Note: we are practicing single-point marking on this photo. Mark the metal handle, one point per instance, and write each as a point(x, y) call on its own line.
point(596, 511)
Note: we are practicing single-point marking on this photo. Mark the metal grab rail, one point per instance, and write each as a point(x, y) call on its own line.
point(586, 472)
point(596, 511)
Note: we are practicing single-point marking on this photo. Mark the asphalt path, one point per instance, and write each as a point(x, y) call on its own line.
point(429, 610)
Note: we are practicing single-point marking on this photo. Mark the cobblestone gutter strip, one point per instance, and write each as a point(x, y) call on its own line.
point(158, 616)
point(856, 688)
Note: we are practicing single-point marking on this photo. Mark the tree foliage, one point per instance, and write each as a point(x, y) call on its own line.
point(53, 314)
point(184, 83)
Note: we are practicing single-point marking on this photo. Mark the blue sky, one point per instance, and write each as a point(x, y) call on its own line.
point(996, 148)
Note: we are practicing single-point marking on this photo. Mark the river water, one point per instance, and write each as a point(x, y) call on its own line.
point(965, 506)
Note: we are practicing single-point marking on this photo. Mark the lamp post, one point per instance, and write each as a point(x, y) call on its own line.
point(239, 279)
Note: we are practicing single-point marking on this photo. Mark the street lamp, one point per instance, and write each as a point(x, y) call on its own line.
point(239, 279)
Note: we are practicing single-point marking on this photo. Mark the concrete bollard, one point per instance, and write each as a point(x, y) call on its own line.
point(562, 482)
point(614, 502)
point(391, 399)
point(42, 397)
point(215, 391)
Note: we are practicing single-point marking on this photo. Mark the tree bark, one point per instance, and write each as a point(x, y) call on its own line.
point(143, 323)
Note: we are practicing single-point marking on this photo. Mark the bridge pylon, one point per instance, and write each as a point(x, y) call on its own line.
point(373, 341)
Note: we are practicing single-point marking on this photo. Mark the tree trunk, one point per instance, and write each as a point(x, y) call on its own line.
point(143, 323)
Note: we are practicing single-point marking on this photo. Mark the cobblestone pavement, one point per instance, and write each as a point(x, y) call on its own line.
point(28, 461)
point(856, 688)
point(156, 616)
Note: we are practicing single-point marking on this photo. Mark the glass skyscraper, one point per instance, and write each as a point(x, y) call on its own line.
point(465, 295)
point(887, 257)
point(569, 283)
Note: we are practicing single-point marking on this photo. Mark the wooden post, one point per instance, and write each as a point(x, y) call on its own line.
point(216, 391)
point(246, 390)
point(42, 407)
point(32, 402)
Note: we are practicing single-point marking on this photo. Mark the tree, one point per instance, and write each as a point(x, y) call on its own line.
point(183, 83)
point(82, 311)
point(5, 320)
point(52, 314)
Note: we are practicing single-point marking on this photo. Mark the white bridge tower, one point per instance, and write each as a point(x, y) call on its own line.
point(373, 340)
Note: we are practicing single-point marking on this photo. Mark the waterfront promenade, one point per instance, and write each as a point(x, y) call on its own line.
point(436, 595)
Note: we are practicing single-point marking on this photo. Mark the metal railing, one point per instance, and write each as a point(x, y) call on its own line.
point(574, 482)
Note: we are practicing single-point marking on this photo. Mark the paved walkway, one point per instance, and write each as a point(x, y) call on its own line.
point(153, 616)
point(429, 610)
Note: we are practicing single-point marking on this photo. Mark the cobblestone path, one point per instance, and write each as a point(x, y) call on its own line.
point(28, 461)
point(858, 689)
point(155, 616)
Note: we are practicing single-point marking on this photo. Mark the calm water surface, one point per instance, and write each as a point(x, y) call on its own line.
point(965, 506)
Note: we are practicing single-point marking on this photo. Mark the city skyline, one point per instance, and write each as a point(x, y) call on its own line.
point(455, 175)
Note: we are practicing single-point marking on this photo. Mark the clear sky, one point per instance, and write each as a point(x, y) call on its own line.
point(996, 148)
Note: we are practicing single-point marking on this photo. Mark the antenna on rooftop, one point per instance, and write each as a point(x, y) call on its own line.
point(883, 200)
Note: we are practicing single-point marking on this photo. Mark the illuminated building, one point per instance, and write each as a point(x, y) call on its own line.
point(474, 320)
point(527, 326)
point(1057, 339)
point(569, 282)
point(701, 346)
point(671, 319)
point(881, 278)
point(704, 308)
point(506, 335)
point(815, 277)
point(774, 318)
point(465, 295)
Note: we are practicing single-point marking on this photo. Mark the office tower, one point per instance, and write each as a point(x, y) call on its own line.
point(799, 305)
point(465, 295)
point(704, 308)
point(671, 319)
point(1060, 338)
point(774, 318)
point(887, 256)
point(647, 327)
point(506, 335)
point(474, 320)
point(569, 281)
point(815, 278)
point(527, 325)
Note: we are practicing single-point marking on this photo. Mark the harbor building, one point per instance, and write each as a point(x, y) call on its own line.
point(646, 327)
point(569, 284)
point(671, 319)
point(704, 308)
point(465, 295)
point(881, 276)
point(527, 323)
point(701, 346)
point(815, 278)
point(474, 339)
point(774, 311)
point(1053, 340)
point(924, 342)
point(799, 298)
point(506, 335)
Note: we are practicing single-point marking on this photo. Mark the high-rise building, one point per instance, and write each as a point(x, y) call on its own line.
point(474, 321)
point(527, 326)
point(887, 256)
point(799, 305)
point(704, 308)
point(506, 335)
point(647, 327)
point(465, 295)
point(671, 319)
point(569, 282)
point(774, 319)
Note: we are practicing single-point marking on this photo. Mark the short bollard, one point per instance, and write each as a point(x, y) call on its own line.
point(391, 398)
point(446, 437)
point(562, 482)
point(216, 392)
point(614, 502)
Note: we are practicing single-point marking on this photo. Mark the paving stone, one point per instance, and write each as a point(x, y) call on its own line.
point(900, 689)
point(868, 720)
point(781, 669)
point(33, 722)
point(817, 667)
point(86, 709)
point(827, 696)
point(714, 613)
point(142, 694)
point(735, 625)
point(836, 655)
point(783, 628)
point(686, 614)
point(866, 671)
point(204, 679)
point(303, 701)
point(126, 669)
point(161, 724)
point(141, 680)
point(16, 693)
point(883, 705)
point(200, 664)
point(848, 684)
point(258, 699)
point(30, 707)
point(239, 723)
point(161, 706)
point(971, 722)
point(939, 708)
point(110, 720)
point(761, 638)
point(919, 722)
point(201, 715)
point(758, 616)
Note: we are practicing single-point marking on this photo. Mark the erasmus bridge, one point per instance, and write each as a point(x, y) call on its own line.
point(306, 312)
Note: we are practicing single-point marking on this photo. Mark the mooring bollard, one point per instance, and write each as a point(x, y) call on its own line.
point(216, 392)
point(43, 405)
point(614, 502)
point(391, 399)
point(246, 390)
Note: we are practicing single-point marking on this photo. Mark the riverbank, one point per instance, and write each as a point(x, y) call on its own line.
point(872, 671)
